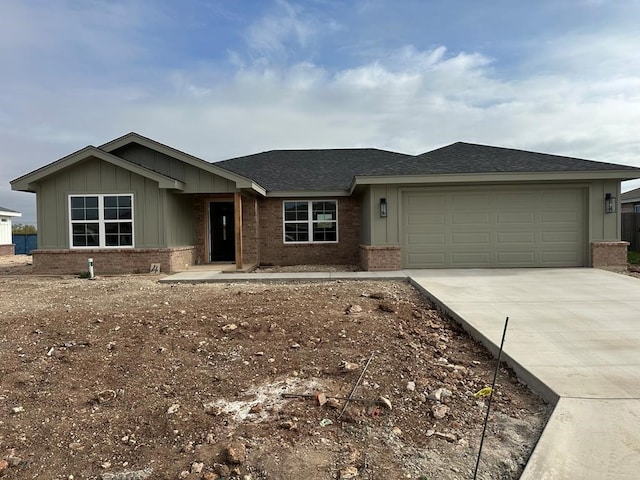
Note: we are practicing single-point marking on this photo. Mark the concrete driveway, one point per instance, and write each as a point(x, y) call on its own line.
point(574, 337)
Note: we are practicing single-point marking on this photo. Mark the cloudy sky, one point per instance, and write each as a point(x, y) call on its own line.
point(221, 78)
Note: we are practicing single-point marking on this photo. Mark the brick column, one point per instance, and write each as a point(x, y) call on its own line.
point(609, 255)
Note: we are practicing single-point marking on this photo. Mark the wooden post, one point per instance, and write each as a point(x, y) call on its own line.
point(237, 204)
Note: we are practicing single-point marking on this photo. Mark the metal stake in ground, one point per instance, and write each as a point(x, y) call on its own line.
point(353, 390)
point(493, 387)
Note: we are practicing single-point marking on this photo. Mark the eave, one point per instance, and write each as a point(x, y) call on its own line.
point(28, 182)
point(499, 177)
point(307, 193)
point(9, 213)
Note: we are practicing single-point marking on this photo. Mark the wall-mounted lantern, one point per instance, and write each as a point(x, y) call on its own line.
point(383, 207)
point(609, 203)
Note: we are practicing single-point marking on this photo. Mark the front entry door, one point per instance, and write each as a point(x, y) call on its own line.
point(221, 221)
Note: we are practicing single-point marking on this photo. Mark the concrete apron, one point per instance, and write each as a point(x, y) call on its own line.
point(574, 338)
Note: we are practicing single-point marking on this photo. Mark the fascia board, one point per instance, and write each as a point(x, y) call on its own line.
point(491, 177)
point(6, 213)
point(27, 182)
point(240, 181)
point(307, 193)
point(630, 200)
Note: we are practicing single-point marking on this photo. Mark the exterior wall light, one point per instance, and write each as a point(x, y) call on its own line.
point(383, 208)
point(609, 203)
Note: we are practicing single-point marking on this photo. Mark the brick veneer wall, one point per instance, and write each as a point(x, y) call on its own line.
point(609, 255)
point(136, 260)
point(382, 257)
point(273, 250)
point(6, 250)
point(250, 232)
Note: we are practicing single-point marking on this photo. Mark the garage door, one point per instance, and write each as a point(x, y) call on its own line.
point(494, 227)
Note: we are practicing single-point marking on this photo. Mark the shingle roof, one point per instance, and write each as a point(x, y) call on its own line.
point(298, 170)
point(2, 209)
point(464, 157)
point(334, 169)
point(631, 195)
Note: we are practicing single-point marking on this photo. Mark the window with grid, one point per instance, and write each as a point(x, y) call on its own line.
point(310, 221)
point(101, 221)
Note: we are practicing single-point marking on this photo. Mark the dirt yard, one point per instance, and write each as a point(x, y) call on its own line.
point(125, 378)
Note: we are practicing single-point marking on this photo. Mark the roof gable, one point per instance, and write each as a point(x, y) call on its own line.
point(132, 137)
point(26, 182)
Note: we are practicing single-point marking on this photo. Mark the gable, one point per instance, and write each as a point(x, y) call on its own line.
point(28, 182)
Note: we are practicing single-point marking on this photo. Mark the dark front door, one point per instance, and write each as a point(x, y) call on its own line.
point(223, 244)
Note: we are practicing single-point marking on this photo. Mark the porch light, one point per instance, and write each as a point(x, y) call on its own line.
point(383, 207)
point(609, 203)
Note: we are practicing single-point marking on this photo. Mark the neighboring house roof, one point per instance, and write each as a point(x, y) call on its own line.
point(631, 196)
point(7, 212)
point(300, 170)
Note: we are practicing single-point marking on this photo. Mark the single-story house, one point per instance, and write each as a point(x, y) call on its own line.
point(133, 201)
point(6, 243)
point(630, 201)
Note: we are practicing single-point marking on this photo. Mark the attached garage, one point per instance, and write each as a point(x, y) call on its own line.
point(494, 226)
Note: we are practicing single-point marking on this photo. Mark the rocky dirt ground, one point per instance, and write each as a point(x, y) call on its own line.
point(126, 378)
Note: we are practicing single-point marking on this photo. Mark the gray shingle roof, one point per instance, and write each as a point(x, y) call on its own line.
point(334, 169)
point(2, 209)
point(464, 158)
point(630, 195)
point(298, 170)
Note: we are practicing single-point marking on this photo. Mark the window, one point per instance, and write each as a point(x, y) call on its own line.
point(100, 221)
point(310, 221)
point(636, 209)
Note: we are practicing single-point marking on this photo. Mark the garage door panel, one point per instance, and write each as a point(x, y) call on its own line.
point(435, 259)
point(494, 227)
point(515, 237)
point(515, 218)
point(470, 239)
point(426, 219)
point(516, 258)
point(427, 239)
point(559, 217)
point(471, 258)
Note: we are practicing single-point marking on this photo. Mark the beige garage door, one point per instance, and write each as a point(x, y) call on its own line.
point(494, 227)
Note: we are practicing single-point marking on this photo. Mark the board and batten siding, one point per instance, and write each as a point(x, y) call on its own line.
point(95, 176)
point(196, 179)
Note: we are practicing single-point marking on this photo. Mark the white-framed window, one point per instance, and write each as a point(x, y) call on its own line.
point(101, 221)
point(310, 221)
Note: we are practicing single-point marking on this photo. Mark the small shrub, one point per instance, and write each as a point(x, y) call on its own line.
point(633, 258)
point(85, 274)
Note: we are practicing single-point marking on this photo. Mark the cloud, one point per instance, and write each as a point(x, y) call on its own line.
point(272, 34)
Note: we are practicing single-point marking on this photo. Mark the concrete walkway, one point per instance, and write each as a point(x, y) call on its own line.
point(573, 336)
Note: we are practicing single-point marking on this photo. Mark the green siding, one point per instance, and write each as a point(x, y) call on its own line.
point(180, 230)
point(196, 179)
point(95, 176)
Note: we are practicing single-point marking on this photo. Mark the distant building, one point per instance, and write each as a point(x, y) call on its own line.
point(6, 244)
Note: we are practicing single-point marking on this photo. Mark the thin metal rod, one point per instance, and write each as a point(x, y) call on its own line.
point(493, 387)
point(355, 386)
